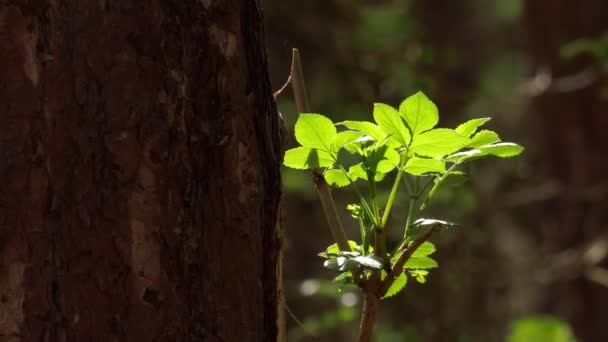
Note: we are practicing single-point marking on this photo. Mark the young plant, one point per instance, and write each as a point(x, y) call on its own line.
point(362, 154)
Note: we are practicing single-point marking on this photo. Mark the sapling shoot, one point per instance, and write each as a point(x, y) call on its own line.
point(403, 141)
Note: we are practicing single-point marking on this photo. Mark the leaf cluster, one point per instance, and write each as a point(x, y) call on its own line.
point(404, 141)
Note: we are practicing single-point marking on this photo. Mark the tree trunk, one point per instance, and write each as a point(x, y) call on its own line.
point(139, 172)
point(571, 126)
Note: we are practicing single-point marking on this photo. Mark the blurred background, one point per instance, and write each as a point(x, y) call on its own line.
point(530, 260)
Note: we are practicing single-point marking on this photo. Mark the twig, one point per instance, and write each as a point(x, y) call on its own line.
point(280, 91)
point(403, 258)
point(302, 326)
point(327, 202)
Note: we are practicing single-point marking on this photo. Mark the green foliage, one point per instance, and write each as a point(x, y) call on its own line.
point(403, 141)
point(598, 48)
point(397, 286)
point(419, 113)
point(540, 329)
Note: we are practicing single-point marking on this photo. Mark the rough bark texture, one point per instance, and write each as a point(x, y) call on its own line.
point(571, 126)
point(139, 172)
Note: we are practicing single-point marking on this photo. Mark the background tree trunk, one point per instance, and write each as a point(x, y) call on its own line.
point(571, 126)
point(139, 172)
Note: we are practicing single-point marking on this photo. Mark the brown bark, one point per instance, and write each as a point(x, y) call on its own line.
point(139, 172)
point(368, 317)
point(570, 125)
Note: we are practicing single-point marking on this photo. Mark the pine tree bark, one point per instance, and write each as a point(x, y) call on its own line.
point(139, 172)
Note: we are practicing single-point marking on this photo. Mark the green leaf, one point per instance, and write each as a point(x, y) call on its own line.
point(419, 275)
point(438, 143)
point(423, 262)
point(382, 159)
point(366, 127)
point(390, 121)
point(420, 166)
point(315, 131)
point(357, 172)
point(397, 286)
point(460, 157)
point(540, 328)
point(343, 279)
point(305, 158)
point(379, 161)
point(424, 223)
point(427, 248)
point(454, 178)
point(427, 222)
point(503, 150)
point(340, 264)
point(333, 250)
point(345, 138)
point(336, 178)
point(468, 128)
point(419, 113)
point(484, 137)
point(369, 261)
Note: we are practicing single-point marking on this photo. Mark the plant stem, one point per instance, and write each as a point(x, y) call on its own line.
point(358, 192)
point(410, 214)
point(297, 82)
point(436, 186)
point(403, 258)
point(331, 214)
point(391, 197)
point(368, 317)
point(327, 201)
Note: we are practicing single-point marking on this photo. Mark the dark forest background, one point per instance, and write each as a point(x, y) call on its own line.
point(530, 257)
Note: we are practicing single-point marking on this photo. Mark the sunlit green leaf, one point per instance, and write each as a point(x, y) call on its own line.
point(366, 127)
point(397, 286)
point(540, 328)
point(503, 150)
point(422, 224)
point(419, 113)
point(419, 275)
point(369, 261)
point(484, 137)
point(468, 128)
point(336, 178)
point(357, 172)
point(343, 279)
point(438, 142)
point(420, 166)
point(345, 138)
point(455, 178)
point(428, 222)
point(340, 264)
point(423, 262)
point(305, 158)
point(390, 121)
point(459, 157)
point(382, 159)
point(315, 131)
point(427, 248)
point(333, 250)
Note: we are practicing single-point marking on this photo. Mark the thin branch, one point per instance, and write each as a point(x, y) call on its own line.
point(327, 202)
point(331, 214)
point(298, 322)
point(403, 258)
point(297, 82)
point(280, 91)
